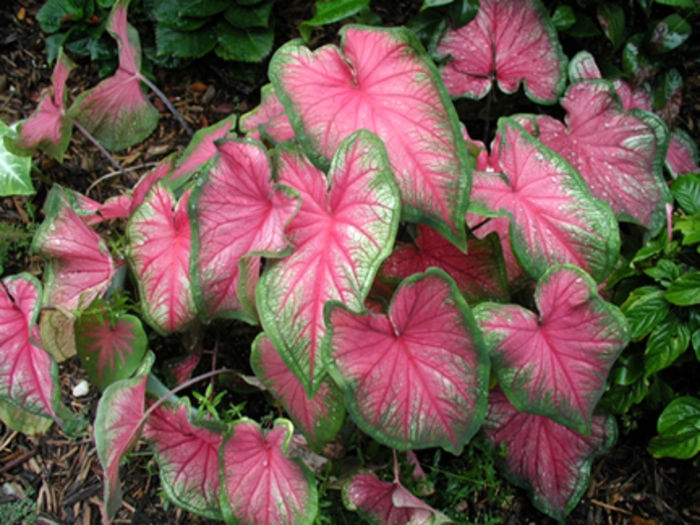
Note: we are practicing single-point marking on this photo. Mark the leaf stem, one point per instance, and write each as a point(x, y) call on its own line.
point(99, 146)
point(183, 386)
point(168, 104)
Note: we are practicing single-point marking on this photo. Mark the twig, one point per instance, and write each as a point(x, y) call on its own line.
point(168, 104)
point(120, 172)
point(99, 146)
point(17, 461)
point(610, 507)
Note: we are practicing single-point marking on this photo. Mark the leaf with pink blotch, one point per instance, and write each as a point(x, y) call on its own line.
point(80, 267)
point(111, 346)
point(187, 453)
point(343, 231)
point(116, 111)
point(158, 248)
point(238, 213)
point(682, 155)
point(117, 427)
point(554, 219)
point(551, 461)
point(268, 120)
point(319, 418)
point(260, 484)
point(49, 129)
point(509, 41)
point(417, 377)
point(384, 503)
point(28, 375)
point(618, 153)
point(555, 364)
point(200, 150)
point(479, 274)
point(381, 80)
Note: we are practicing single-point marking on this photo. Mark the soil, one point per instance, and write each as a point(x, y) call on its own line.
point(62, 476)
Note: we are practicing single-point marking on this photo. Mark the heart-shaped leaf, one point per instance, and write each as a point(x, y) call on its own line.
point(111, 346)
point(509, 41)
point(387, 503)
point(618, 153)
point(418, 377)
point(188, 458)
point(551, 461)
point(556, 364)
point(49, 129)
point(238, 214)
point(554, 219)
point(117, 426)
point(28, 375)
point(268, 120)
point(682, 155)
point(343, 231)
point(259, 483)
point(80, 267)
point(319, 418)
point(381, 80)
point(116, 111)
point(158, 247)
point(479, 274)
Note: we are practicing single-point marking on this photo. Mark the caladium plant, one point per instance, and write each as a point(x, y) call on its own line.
point(365, 136)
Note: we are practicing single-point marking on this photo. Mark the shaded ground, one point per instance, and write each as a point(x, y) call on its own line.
point(61, 478)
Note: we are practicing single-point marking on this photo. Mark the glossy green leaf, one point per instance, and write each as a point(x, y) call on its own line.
point(612, 19)
point(666, 343)
point(55, 12)
point(692, 4)
point(679, 430)
point(685, 290)
point(246, 45)
point(645, 308)
point(686, 191)
point(253, 16)
point(15, 171)
point(563, 17)
point(185, 43)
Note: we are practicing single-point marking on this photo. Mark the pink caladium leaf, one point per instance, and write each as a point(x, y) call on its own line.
point(387, 503)
point(81, 267)
point(381, 80)
point(268, 120)
point(28, 375)
point(111, 346)
point(343, 231)
point(508, 41)
point(682, 156)
point(117, 427)
point(551, 461)
point(554, 219)
point(583, 67)
point(418, 377)
point(479, 274)
point(618, 153)
point(319, 418)
point(238, 214)
point(187, 453)
point(260, 484)
point(556, 364)
point(49, 129)
point(200, 150)
point(116, 111)
point(158, 248)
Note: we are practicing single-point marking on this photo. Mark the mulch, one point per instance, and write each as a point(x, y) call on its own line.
point(61, 477)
